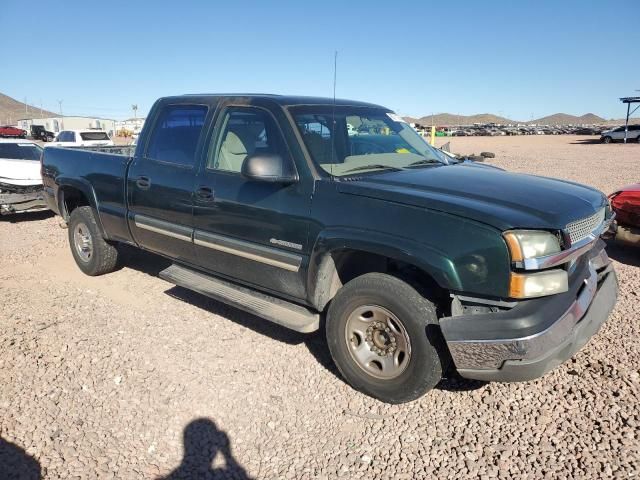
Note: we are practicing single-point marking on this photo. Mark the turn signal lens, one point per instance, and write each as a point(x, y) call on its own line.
point(531, 285)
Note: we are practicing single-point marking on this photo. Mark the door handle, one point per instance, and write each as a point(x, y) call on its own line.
point(204, 193)
point(143, 183)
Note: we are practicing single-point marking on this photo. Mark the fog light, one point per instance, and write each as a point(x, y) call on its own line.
point(531, 285)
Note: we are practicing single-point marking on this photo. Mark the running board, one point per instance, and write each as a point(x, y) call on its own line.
point(279, 311)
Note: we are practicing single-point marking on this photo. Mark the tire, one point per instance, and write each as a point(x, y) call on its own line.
point(419, 369)
point(93, 255)
point(606, 139)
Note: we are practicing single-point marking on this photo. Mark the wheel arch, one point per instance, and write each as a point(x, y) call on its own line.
point(74, 193)
point(340, 256)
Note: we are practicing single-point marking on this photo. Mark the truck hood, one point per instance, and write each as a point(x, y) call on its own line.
point(483, 193)
point(20, 172)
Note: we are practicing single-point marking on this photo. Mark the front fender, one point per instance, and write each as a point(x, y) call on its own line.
point(430, 259)
point(463, 257)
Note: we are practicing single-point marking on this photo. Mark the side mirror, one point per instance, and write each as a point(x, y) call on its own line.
point(268, 167)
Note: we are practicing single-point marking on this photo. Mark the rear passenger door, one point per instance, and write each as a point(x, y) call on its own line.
point(160, 182)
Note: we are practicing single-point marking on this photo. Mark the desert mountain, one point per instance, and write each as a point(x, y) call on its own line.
point(11, 110)
point(556, 119)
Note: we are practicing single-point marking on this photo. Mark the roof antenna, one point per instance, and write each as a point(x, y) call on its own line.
point(335, 75)
point(333, 119)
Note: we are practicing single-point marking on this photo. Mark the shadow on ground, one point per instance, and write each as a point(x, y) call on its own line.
point(153, 264)
point(627, 254)
point(27, 216)
point(586, 141)
point(141, 260)
point(203, 441)
point(15, 463)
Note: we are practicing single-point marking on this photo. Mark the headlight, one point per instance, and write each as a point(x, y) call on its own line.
point(526, 244)
point(530, 285)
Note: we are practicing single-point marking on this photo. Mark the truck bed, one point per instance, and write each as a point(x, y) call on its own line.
point(98, 172)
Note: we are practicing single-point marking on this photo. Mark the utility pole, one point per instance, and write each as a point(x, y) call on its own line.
point(61, 116)
point(26, 111)
point(134, 107)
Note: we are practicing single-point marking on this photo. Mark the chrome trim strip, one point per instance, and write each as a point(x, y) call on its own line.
point(163, 228)
point(269, 256)
point(565, 256)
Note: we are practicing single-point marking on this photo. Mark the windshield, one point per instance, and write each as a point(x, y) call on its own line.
point(20, 151)
point(363, 139)
point(94, 136)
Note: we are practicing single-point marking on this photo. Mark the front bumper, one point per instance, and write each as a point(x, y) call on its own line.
point(21, 202)
point(537, 335)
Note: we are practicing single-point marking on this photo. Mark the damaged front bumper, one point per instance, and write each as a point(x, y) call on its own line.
point(16, 198)
point(535, 336)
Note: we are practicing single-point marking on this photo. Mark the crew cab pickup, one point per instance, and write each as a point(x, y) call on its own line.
point(318, 213)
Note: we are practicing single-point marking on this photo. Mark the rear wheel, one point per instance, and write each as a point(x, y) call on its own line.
point(92, 253)
point(384, 339)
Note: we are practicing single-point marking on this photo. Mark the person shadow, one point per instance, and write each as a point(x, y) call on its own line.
point(15, 463)
point(202, 443)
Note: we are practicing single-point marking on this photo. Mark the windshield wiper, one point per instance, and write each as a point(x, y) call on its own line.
point(426, 161)
point(374, 166)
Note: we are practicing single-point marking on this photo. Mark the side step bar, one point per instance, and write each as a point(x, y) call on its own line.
point(279, 311)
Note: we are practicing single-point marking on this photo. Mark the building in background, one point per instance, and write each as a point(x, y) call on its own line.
point(57, 124)
point(130, 126)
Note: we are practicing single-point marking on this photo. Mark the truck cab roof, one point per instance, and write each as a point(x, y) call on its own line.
point(258, 98)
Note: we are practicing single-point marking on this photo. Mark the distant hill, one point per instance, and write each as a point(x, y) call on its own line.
point(451, 119)
point(565, 119)
point(556, 119)
point(11, 110)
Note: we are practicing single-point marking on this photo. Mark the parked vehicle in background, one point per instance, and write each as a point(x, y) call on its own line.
point(417, 261)
point(20, 180)
point(12, 132)
point(586, 131)
point(617, 134)
point(82, 138)
point(626, 204)
point(38, 132)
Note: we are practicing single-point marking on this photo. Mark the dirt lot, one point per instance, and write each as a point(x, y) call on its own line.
point(125, 376)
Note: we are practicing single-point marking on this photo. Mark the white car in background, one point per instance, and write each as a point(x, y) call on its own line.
point(20, 180)
point(82, 138)
point(617, 134)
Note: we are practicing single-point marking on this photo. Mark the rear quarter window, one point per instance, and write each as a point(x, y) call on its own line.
point(94, 136)
point(176, 133)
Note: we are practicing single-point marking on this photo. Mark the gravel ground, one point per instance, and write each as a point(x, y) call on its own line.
point(125, 376)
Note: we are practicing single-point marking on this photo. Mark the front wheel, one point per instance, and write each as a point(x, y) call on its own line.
point(92, 253)
point(384, 339)
point(606, 140)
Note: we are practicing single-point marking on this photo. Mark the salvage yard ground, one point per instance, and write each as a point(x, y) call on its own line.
point(126, 376)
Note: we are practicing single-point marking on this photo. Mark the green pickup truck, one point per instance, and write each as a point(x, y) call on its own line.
point(330, 214)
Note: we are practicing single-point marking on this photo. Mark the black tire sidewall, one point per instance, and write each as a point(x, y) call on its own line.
point(414, 311)
point(86, 216)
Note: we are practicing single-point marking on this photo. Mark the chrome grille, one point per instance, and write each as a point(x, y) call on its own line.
point(581, 229)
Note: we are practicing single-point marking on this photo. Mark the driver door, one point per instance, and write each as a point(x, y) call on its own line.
point(251, 231)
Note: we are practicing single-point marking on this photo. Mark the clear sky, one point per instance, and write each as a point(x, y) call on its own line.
point(517, 59)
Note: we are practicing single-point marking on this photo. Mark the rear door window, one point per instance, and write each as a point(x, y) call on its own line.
point(94, 136)
point(176, 134)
